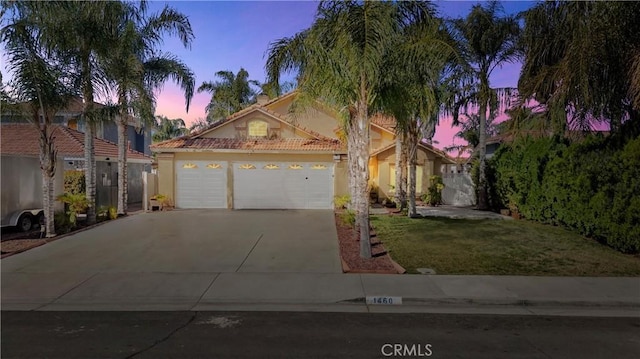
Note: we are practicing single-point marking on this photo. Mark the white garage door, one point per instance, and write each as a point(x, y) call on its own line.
point(201, 184)
point(282, 185)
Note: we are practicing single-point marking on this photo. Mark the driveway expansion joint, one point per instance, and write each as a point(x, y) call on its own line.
point(251, 251)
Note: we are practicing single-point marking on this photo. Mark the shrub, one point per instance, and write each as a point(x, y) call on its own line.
point(61, 222)
point(75, 204)
point(102, 213)
point(434, 194)
point(348, 217)
point(341, 202)
point(590, 186)
point(74, 182)
point(113, 212)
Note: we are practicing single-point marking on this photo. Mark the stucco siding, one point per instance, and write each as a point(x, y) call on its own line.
point(166, 175)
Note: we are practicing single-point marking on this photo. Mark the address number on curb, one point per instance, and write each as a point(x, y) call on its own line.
point(384, 300)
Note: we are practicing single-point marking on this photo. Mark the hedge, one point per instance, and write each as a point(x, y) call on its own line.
point(591, 185)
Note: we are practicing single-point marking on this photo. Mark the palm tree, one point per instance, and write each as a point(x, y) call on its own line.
point(79, 33)
point(231, 94)
point(411, 93)
point(136, 69)
point(38, 91)
point(339, 61)
point(558, 36)
point(487, 40)
point(167, 128)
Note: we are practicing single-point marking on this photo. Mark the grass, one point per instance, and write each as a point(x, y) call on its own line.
point(496, 247)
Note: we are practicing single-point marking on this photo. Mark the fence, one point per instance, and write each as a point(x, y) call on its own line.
point(459, 189)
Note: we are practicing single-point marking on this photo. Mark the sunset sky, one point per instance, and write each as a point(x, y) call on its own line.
point(234, 34)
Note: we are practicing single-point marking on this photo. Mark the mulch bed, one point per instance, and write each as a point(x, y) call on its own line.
point(14, 242)
point(348, 239)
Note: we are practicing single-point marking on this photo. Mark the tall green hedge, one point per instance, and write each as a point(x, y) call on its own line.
point(591, 185)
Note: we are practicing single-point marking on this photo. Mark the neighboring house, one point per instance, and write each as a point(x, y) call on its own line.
point(266, 157)
point(22, 179)
point(139, 138)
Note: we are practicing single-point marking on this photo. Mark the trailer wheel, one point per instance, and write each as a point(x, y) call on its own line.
point(25, 222)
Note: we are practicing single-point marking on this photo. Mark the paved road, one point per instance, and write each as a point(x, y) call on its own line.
point(302, 335)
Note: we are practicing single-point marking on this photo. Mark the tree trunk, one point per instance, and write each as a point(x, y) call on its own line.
point(400, 193)
point(47, 167)
point(413, 156)
point(122, 164)
point(48, 171)
point(90, 171)
point(89, 151)
point(359, 135)
point(352, 169)
point(404, 166)
point(482, 150)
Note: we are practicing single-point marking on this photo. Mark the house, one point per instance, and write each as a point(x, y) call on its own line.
point(267, 157)
point(139, 138)
point(22, 179)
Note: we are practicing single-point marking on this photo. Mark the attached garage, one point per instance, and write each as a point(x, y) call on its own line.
point(283, 185)
point(201, 184)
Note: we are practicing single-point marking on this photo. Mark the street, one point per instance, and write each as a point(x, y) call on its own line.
point(302, 335)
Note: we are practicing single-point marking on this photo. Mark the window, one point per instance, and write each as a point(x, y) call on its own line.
point(318, 167)
point(214, 166)
point(247, 166)
point(295, 167)
point(271, 166)
point(190, 165)
point(258, 129)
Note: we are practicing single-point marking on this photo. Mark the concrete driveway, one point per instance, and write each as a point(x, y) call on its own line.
point(172, 255)
point(194, 241)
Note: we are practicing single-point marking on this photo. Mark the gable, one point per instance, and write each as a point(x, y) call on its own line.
point(313, 119)
point(251, 123)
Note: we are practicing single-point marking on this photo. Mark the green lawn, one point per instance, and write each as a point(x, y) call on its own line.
point(459, 246)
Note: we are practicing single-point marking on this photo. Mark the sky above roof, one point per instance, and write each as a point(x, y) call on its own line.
point(234, 34)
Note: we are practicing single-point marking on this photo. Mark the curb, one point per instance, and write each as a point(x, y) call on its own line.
point(520, 302)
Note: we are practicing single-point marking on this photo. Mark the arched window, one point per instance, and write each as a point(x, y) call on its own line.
point(258, 129)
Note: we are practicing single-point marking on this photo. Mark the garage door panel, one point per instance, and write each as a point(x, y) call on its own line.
point(287, 185)
point(201, 184)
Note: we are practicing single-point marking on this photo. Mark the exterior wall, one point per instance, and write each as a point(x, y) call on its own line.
point(166, 175)
point(22, 183)
point(318, 121)
point(311, 118)
point(341, 178)
point(386, 138)
point(386, 160)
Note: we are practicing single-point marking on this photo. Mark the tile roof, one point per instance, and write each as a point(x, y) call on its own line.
point(284, 144)
point(386, 122)
point(23, 139)
point(425, 146)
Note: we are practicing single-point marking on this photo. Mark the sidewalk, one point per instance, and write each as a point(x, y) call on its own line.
point(322, 292)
